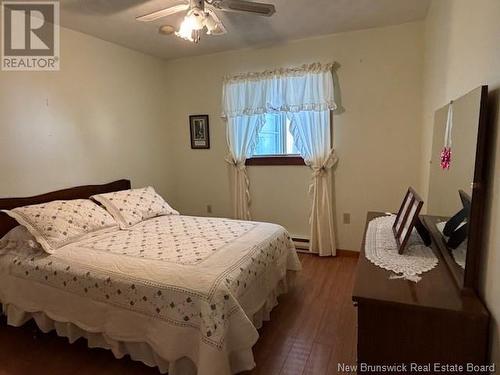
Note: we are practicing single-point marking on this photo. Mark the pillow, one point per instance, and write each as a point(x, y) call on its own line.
point(59, 223)
point(16, 239)
point(130, 207)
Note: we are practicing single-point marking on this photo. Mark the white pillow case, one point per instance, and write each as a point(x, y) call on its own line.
point(130, 207)
point(58, 223)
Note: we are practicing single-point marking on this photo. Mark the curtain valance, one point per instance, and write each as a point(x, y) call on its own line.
point(305, 88)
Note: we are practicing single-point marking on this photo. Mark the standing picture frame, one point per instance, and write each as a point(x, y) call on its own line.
point(407, 219)
point(200, 131)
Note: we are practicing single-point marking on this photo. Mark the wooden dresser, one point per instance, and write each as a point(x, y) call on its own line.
point(432, 321)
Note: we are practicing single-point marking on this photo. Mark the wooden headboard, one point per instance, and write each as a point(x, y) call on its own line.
point(79, 192)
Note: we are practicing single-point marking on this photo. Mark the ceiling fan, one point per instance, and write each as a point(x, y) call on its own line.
point(201, 16)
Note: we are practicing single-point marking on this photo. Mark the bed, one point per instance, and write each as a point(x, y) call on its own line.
point(186, 294)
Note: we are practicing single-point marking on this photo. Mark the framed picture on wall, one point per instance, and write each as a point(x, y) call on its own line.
point(407, 219)
point(199, 130)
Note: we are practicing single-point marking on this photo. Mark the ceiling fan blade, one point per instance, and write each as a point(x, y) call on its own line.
point(261, 9)
point(215, 26)
point(162, 13)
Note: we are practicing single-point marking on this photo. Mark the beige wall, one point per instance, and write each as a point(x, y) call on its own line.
point(101, 117)
point(462, 52)
point(377, 138)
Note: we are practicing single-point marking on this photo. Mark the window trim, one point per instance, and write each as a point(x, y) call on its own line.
point(275, 160)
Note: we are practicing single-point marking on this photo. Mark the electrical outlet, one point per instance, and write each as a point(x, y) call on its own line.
point(347, 218)
point(209, 208)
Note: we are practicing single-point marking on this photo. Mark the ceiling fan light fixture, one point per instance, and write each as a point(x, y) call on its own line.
point(201, 19)
point(213, 24)
point(192, 26)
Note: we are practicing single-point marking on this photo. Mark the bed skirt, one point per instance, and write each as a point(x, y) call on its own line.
point(140, 351)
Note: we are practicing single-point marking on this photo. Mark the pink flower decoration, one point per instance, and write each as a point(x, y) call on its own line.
point(446, 158)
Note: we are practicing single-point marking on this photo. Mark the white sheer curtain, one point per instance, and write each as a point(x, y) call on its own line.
point(241, 135)
point(311, 134)
point(306, 94)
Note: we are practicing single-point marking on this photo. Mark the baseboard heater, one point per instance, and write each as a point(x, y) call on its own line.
point(301, 243)
point(302, 246)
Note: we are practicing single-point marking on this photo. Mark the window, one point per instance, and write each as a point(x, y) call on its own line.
point(275, 144)
point(275, 137)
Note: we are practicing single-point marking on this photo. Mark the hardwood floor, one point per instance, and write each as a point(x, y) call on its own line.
point(310, 332)
point(314, 326)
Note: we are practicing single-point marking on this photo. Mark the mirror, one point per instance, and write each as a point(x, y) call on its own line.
point(455, 177)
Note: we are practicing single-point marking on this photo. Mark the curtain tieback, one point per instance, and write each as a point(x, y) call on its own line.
point(329, 162)
point(320, 171)
point(237, 164)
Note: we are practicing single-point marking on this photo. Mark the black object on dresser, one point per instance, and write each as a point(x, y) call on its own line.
point(427, 323)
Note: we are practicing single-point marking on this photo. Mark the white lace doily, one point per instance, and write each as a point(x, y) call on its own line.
point(381, 249)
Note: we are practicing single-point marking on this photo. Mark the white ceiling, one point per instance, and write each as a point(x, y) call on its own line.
point(114, 20)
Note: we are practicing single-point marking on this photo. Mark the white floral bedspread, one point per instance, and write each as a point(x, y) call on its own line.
point(203, 274)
